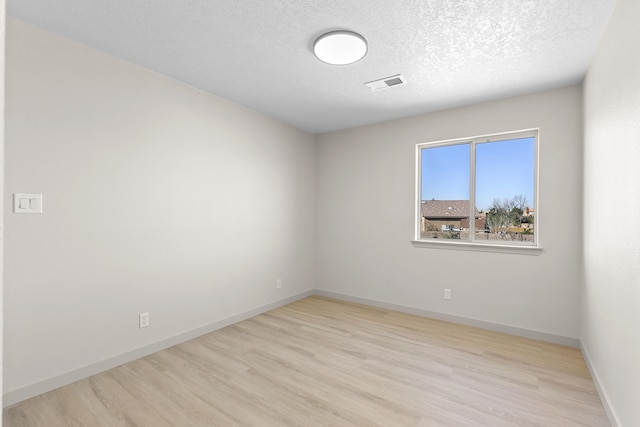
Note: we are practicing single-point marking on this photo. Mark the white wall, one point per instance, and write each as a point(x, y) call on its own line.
point(365, 219)
point(2, 67)
point(157, 197)
point(611, 292)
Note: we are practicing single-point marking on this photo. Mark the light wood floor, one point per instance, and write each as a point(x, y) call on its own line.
point(320, 362)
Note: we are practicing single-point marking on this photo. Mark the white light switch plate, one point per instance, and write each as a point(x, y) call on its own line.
point(27, 203)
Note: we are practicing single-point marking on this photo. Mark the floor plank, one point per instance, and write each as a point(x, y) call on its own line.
point(322, 362)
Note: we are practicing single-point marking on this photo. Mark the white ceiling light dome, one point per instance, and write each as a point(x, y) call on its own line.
point(340, 47)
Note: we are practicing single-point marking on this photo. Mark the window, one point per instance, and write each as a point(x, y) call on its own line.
point(480, 191)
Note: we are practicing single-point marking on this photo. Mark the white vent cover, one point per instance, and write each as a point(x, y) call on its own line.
point(387, 82)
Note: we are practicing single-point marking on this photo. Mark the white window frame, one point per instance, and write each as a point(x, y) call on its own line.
point(533, 248)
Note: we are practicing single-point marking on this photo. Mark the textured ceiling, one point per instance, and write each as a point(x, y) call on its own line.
point(259, 52)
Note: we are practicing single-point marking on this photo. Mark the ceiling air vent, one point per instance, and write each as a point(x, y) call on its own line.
point(387, 82)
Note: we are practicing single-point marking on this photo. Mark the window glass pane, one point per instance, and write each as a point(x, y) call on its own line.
point(445, 192)
point(505, 189)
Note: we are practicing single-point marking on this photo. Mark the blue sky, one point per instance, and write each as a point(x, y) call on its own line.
point(503, 169)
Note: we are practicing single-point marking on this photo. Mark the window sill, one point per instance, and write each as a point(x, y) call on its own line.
point(479, 247)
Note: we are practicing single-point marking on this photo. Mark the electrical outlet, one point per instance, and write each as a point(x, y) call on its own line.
point(447, 294)
point(143, 320)
point(279, 283)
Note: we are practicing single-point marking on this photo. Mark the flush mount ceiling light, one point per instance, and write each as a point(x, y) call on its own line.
point(340, 47)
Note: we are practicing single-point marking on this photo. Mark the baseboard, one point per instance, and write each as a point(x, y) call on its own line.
point(18, 395)
point(497, 327)
point(604, 397)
